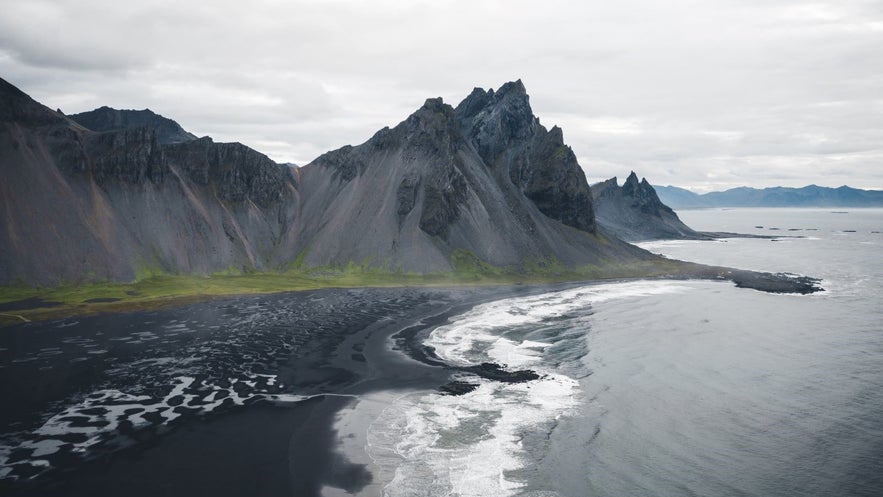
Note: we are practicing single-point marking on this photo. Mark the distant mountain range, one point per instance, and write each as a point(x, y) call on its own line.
point(808, 196)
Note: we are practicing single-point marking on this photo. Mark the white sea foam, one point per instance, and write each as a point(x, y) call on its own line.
point(475, 336)
point(429, 444)
point(467, 445)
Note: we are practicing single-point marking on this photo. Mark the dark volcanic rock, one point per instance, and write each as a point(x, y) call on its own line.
point(634, 212)
point(502, 128)
point(491, 371)
point(443, 196)
point(555, 182)
point(484, 180)
point(109, 119)
point(343, 162)
point(497, 122)
point(128, 155)
point(433, 132)
point(776, 282)
point(239, 173)
point(81, 205)
point(457, 388)
point(406, 195)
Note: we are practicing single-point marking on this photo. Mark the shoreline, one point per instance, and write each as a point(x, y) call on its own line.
point(355, 353)
point(40, 307)
point(267, 447)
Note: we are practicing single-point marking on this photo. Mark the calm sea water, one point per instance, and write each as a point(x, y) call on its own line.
point(668, 388)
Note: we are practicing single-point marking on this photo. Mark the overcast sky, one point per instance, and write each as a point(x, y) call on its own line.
point(701, 94)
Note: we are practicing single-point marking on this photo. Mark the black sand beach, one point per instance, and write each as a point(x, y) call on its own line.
point(232, 397)
point(235, 396)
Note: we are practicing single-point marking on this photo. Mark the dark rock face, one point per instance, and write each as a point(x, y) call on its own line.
point(128, 155)
point(239, 172)
point(492, 371)
point(248, 174)
point(457, 388)
point(497, 122)
point(555, 182)
point(635, 213)
point(776, 282)
point(432, 134)
point(443, 196)
point(406, 196)
point(82, 205)
point(109, 119)
point(484, 178)
point(502, 128)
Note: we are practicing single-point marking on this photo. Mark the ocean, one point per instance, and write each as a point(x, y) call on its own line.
point(665, 388)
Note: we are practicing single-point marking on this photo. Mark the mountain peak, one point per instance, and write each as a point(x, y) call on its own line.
point(631, 186)
point(494, 121)
point(434, 103)
point(433, 116)
point(634, 211)
point(511, 95)
point(516, 87)
point(107, 118)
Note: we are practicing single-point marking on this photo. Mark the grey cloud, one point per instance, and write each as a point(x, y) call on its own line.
point(686, 92)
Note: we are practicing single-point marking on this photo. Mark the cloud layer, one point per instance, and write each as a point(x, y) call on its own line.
point(706, 95)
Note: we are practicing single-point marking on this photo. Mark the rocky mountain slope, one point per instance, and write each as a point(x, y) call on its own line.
point(634, 212)
point(484, 179)
point(83, 205)
point(448, 188)
point(109, 195)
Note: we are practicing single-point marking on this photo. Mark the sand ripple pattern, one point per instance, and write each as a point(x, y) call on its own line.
point(150, 372)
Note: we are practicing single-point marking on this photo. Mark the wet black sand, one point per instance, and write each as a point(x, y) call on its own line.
point(211, 384)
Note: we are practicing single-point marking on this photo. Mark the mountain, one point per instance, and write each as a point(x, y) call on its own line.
point(679, 198)
point(808, 196)
point(634, 212)
point(80, 205)
point(109, 119)
point(484, 179)
point(106, 198)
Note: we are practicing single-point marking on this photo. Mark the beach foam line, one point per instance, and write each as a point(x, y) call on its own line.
point(472, 444)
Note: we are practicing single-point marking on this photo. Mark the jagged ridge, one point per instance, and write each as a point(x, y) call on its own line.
point(634, 212)
point(484, 177)
point(482, 180)
point(83, 205)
